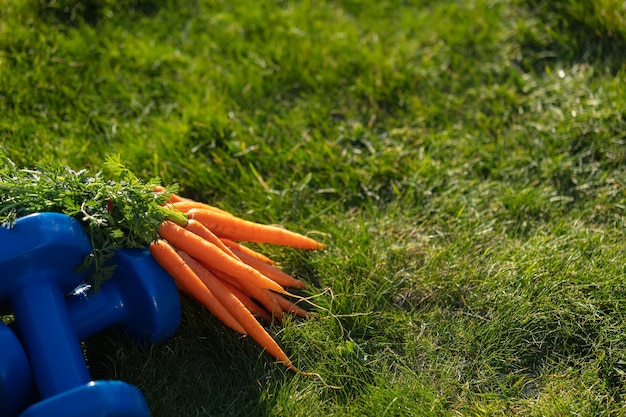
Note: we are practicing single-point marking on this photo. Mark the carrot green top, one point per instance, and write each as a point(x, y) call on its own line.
point(119, 211)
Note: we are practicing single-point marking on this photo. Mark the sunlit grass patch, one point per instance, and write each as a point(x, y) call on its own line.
point(463, 161)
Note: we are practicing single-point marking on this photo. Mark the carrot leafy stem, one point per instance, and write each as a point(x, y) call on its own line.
point(117, 209)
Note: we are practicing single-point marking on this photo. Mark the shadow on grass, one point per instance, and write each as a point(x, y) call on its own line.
point(92, 12)
point(577, 31)
point(205, 369)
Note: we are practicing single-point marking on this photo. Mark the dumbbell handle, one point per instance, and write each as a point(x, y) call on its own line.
point(90, 315)
point(53, 347)
point(38, 260)
point(140, 297)
point(16, 381)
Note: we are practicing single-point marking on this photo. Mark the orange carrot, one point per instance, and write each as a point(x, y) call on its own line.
point(290, 307)
point(213, 257)
point(275, 274)
point(174, 198)
point(241, 313)
point(185, 205)
point(235, 228)
point(202, 231)
point(241, 248)
point(254, 308)
point(198, 269)
point(191, 284)
point(262, 295)
point(233, 282)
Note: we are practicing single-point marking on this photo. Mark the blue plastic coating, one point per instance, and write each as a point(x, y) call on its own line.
point(95, 399)
point(140, 298)
point(36, 246)
point(39, 257)
point(16, 381)
point(53, 347)
point(39, 263)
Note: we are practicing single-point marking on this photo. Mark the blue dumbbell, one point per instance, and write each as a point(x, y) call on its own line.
point(39, 261)
point(16, 380)
point(140, 298)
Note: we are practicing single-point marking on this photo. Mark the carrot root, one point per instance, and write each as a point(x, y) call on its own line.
point(235, 228)
point(273, 273)
point(198, 228)
point(185, 205)
point(189, 282)
point(199, 247)
point(241, 313)
point(173, 198)
point(244, 249)
point(213, 257)
point(290, 307)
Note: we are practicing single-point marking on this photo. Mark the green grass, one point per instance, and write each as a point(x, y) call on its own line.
point(465, 162)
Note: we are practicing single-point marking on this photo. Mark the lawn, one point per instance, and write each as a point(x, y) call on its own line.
point(464, 161)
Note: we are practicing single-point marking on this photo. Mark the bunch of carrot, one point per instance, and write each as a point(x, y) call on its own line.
point(237, 284)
